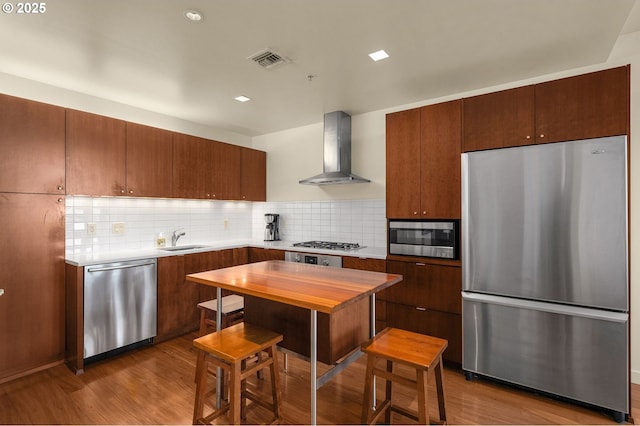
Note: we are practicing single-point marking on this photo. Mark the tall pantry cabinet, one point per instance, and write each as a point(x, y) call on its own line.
point(32, 176)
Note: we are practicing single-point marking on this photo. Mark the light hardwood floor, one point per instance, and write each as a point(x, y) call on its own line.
point(155, 385)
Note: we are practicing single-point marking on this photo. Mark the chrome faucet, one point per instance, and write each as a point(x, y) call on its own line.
point(176, 236)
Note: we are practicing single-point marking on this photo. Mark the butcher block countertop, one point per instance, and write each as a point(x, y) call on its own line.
point(307, 286)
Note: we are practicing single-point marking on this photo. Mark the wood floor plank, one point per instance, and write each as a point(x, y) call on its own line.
point(155, 385)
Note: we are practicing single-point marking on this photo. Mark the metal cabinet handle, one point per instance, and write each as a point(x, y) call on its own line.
point(131, 191)
point(420, 308)
point(112, 268)
point(1, 291)
point(542, 136)
point(421, 264)
point(60, 187)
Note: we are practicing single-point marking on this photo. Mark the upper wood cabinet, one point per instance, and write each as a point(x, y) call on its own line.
point(213, 170)
point(581, 107)
point(96, 154)
point(253, 178)
point(32, 152)
point(403, 164)
point(149, 161)
point(225, 165)
point(192, 168)
point(499, 120)
point(423, 162)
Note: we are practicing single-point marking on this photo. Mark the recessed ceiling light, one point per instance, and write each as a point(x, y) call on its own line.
point(242, 98)
point(380, 54)
point(193, 15)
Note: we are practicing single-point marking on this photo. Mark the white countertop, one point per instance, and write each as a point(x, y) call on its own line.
point(125, 255)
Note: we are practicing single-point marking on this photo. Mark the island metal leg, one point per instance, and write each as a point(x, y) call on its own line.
point(313, 361)
point(218, 328)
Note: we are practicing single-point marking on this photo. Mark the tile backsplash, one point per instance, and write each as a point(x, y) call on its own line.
point(347, 221)
point(144, 218)
point(102, 224)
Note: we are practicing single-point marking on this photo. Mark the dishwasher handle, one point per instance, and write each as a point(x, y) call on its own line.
point(112, 268)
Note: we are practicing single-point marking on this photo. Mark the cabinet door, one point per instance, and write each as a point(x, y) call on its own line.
point(149, 161)
point(32, 276)
point(226, 159)
point(426, 286)
point(498, 120)
point(403, 164)
point(96, 154)
point(207, 261)
point(260, 255)
point(191, 167)
point(582, 107)
point(376, 265)
point(440, 160)
point(177, 299)
point(32, 152)
point(253, 175)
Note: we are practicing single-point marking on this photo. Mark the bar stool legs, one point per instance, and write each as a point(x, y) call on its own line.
point(234, 349)
point(417, 351)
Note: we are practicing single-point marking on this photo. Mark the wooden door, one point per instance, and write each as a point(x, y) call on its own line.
point(582, 107)
point(498, 120)
point(177, 299)
point(149, 161)
point(32, 152)
point(253, 175)
point(191, 167)
point(440, 160)
point(226, 171)
point(96, 154)
point(403, 164)
point(32, 276)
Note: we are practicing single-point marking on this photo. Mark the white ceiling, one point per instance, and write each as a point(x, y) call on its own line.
point(145, 53)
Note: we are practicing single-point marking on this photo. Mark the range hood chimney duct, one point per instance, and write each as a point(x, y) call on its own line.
point(337, 152)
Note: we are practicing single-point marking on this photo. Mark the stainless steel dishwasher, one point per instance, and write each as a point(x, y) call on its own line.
point(120, 305)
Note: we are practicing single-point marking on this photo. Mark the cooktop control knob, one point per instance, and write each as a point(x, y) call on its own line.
point(325, 262)
point(298, 258)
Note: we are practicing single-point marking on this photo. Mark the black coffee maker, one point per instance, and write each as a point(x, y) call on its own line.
point(272, 231)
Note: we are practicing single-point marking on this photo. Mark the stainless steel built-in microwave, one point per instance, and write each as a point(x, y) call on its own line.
point(425, 238)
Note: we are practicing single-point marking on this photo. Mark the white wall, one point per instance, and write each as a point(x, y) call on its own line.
point(297, 153)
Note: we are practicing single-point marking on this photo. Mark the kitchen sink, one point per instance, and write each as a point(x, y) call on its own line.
point(181, 248)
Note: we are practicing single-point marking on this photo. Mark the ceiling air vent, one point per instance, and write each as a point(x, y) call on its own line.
point(268, 58)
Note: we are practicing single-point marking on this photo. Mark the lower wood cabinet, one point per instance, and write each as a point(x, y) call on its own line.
point(338, 333)
point(178, 298)
point(428, 300)
point(259, 254)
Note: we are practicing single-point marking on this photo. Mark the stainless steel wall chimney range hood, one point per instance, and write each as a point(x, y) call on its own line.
point(337, 152)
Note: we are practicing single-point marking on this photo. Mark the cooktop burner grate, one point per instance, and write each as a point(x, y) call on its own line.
point(328, 245)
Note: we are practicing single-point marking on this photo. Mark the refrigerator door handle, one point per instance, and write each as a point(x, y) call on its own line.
point(554, 308)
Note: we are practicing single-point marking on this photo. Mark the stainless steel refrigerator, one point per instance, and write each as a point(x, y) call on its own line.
point(545, 269)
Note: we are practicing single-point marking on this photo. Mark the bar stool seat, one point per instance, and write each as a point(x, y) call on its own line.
point(232, 312)
point(417, 351)
point(230, 349)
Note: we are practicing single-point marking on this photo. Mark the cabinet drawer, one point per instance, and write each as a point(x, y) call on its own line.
point(428, 286)
point(433, 323)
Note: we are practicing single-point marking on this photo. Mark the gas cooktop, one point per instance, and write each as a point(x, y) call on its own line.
point(328, 245)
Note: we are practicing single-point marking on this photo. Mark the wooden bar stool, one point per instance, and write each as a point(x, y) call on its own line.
point(232, 312)
point(423, 353)
point(230, 348)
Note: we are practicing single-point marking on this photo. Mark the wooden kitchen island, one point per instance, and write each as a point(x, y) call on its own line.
point(316, 288)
